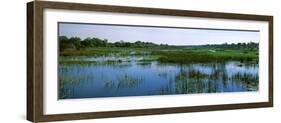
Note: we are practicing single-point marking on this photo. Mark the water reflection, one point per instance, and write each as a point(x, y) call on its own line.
point(135, 78)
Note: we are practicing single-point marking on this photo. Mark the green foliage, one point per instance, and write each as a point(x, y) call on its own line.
point(205, 55)
point(243, 52)
point(249, 80)
point(244, 46)
point(90, 52)
point(94, 42)
point(76, 43)
point(76, 62)
point(69, 43)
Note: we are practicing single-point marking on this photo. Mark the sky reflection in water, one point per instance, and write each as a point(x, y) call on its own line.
point(153, 78)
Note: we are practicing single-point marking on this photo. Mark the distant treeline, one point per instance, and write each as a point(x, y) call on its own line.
point(246, 46)
point(78, 43)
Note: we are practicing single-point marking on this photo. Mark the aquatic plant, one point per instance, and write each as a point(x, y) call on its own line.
point(249, 80)
point(128, 81)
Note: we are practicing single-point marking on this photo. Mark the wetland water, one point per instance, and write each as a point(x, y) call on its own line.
point(112, 76)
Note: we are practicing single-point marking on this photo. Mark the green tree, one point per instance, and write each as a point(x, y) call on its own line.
point(69, 43)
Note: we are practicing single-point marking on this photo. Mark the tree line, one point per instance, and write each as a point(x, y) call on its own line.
point(78, 43)
point(246, 46)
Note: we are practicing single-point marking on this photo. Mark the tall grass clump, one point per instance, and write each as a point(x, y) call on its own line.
point(203, 56)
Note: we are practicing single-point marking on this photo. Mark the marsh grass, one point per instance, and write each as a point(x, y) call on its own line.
point(76, 62)
point(172, 55)
point(249, 80)
point(191, 81)
point(144, 63)
point(128, 81)
point(186, 81)
point(205, 56)
point(112, 61)
point(89, 52)
point(124, 81)
point(65, 81)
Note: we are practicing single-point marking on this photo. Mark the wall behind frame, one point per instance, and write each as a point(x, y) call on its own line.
point(13, 60)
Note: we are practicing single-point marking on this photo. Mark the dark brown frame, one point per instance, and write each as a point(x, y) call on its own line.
point(35, 60)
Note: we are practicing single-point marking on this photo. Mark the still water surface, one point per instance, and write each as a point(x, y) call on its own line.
point(129, 77)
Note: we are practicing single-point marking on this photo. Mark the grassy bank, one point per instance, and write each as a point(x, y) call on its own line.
point(170, 55)
point(206, 55)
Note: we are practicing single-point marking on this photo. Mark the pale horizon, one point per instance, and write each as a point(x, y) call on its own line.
point(158, 35)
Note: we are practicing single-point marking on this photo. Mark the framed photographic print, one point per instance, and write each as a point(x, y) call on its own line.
point(95, 61)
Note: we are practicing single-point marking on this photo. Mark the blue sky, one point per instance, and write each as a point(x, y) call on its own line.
point(171, 36)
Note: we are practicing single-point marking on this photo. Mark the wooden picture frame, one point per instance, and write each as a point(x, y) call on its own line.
point(35, 62)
